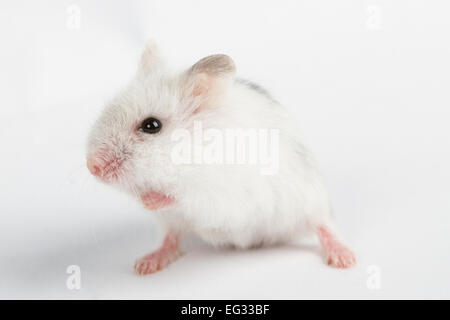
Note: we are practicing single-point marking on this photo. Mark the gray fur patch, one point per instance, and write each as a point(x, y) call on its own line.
point(255, 87)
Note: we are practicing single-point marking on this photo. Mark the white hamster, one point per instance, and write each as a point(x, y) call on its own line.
point(213, 155)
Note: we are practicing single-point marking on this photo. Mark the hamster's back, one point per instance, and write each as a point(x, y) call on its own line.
point(254, 203)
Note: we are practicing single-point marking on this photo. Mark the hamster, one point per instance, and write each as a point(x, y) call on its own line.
point(153, 140)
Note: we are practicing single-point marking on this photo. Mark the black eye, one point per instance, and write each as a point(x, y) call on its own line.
point(151, 125)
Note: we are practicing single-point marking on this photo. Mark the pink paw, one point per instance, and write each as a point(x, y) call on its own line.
point(336, 253)
point(341, 257)
point(146, 266)
point(153, 263)
point(156, 200)
point(159, 259)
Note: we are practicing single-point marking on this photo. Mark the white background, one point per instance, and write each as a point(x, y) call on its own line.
point(367, 82)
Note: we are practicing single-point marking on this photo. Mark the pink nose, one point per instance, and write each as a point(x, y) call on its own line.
point(94, 166)
point(105, 166)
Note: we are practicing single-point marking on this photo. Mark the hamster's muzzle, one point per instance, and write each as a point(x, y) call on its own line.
point(104, 167)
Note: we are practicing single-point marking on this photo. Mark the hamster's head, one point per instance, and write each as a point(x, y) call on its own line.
point(130, 144)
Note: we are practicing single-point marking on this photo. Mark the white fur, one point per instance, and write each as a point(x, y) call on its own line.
point(223, 204)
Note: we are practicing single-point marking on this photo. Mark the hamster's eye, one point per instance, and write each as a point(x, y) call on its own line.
point(151, 125)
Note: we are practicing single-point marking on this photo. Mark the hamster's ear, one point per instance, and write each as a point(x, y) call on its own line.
point(209, 79)
point(150, 58)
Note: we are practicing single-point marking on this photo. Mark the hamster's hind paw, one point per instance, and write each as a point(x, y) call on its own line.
point(336, 254)
point(159, 259)
point(153, 263)
point(341, 257)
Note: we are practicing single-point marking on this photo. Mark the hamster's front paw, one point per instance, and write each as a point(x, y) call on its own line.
point(159, 259)
point(156, 200)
